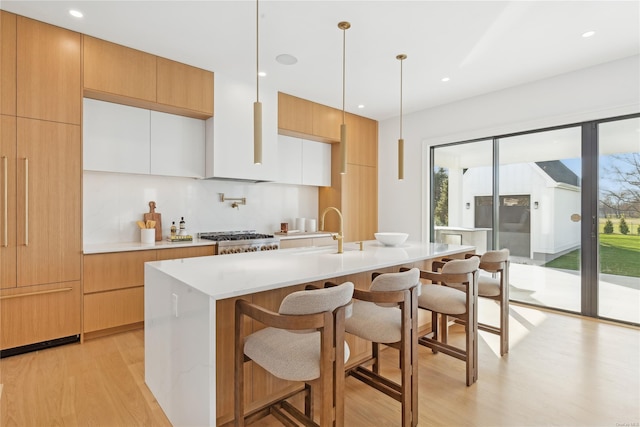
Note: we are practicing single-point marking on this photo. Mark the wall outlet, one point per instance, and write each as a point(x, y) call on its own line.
point(174, 304)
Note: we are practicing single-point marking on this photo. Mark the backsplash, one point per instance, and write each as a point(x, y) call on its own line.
point(113, 202)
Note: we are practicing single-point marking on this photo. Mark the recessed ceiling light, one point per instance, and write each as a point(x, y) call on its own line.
point(361, 106)
point(286, 59)
point(445, 79)
point(76, 13)
point(588, 34)
point(262, 74)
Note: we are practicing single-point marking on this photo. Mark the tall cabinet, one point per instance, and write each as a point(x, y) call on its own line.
point(41, 179)
point(355, 194)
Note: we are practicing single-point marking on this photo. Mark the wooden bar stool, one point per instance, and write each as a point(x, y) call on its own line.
point(304, 342)
point(445, 301)
point(387, 314)
point(496, 287)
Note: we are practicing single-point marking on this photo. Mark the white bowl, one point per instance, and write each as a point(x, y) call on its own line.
point(391, 239)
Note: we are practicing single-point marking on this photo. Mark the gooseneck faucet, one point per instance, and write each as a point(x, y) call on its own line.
point(340, 236)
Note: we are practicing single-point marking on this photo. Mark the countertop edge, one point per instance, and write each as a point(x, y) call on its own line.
point(102, 248)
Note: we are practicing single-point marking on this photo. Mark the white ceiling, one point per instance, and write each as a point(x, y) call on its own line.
point(483, 46)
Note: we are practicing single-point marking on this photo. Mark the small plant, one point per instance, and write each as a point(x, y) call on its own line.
point(624, 228)
point(608, 227)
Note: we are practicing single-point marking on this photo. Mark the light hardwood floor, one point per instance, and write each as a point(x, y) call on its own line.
point(561, 370)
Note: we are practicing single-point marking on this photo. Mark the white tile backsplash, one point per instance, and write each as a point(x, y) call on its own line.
point(113, 202)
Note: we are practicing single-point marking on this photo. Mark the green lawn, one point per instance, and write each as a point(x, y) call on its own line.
point(619, 254)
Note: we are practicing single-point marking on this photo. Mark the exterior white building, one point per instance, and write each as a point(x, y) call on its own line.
point(538, 203)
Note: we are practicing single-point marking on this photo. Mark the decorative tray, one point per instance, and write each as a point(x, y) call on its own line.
point(187, 238)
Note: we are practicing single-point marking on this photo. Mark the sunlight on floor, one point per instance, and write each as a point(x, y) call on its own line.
point(522, 320)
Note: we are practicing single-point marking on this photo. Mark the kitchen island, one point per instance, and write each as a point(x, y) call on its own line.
point(189, 306)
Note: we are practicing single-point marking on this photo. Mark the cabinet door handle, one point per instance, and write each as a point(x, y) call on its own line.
point(26, 201)
point(5, 241)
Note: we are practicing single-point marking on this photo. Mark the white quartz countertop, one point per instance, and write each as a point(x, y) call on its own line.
point(137, 246)
point(226, 276)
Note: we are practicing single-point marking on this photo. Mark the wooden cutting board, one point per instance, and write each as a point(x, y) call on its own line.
point(152, 215)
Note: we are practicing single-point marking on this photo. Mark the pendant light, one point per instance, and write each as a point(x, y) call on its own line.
point(401, 58)
point(257, 106)
point(344, 26)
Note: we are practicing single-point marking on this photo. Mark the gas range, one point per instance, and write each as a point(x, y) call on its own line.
point(231, 242)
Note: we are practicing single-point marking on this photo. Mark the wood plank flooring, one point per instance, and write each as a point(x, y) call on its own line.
point(561, 371)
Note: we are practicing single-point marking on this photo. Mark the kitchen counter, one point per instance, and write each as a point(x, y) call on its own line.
point(137, 246)
point(303, 235)
point(189, 313)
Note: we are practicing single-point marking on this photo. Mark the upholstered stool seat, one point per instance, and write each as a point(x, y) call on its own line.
point(443, 299)
point(287, 355)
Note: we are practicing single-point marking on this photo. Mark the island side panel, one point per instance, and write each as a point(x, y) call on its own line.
point(180, 349)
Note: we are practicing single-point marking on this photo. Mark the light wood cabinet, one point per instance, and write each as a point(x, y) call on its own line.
point(44, 313)
point(8, 211)
point(110, 68)
point(40, 222)
point(301, 118)
point(188, 252)
point(103, 272)
point(49, 218)
point(41, 183)
point(356, 192)
point(114, 287)
point(295, 114)
point(362, 140)
point(7, 63)
point(184, 86)
point(360, 202)
point(122, 75)
point(326, 122)
point(48, 72)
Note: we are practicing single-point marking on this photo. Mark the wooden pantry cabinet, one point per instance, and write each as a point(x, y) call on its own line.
point(114, 287)
point(40, 177)
point(123, 75)
point(48, 72)
point(7, 63)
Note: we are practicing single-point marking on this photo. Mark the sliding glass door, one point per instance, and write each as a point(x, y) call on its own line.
point(619, 220)
point(539, 216)
point(564, 201)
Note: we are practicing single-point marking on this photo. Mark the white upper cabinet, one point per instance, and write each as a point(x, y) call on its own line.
point(119, 138)
point(316, 163)
point(116, 138)
point(177, 145)
point(289, 158)
point(230, 144)
point(304, 162)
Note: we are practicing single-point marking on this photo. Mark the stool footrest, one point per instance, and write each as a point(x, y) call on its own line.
point(378, 382)
point(444, 348)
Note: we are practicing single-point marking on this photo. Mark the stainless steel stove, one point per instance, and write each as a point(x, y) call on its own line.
point(233, 242)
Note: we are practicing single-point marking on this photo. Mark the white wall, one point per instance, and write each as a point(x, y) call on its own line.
point(606, 90)
point(113, 202)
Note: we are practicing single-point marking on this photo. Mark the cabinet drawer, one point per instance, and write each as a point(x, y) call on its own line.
point(176, 253)
point(110, 309)
point(118, 270)
point(39, 313)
